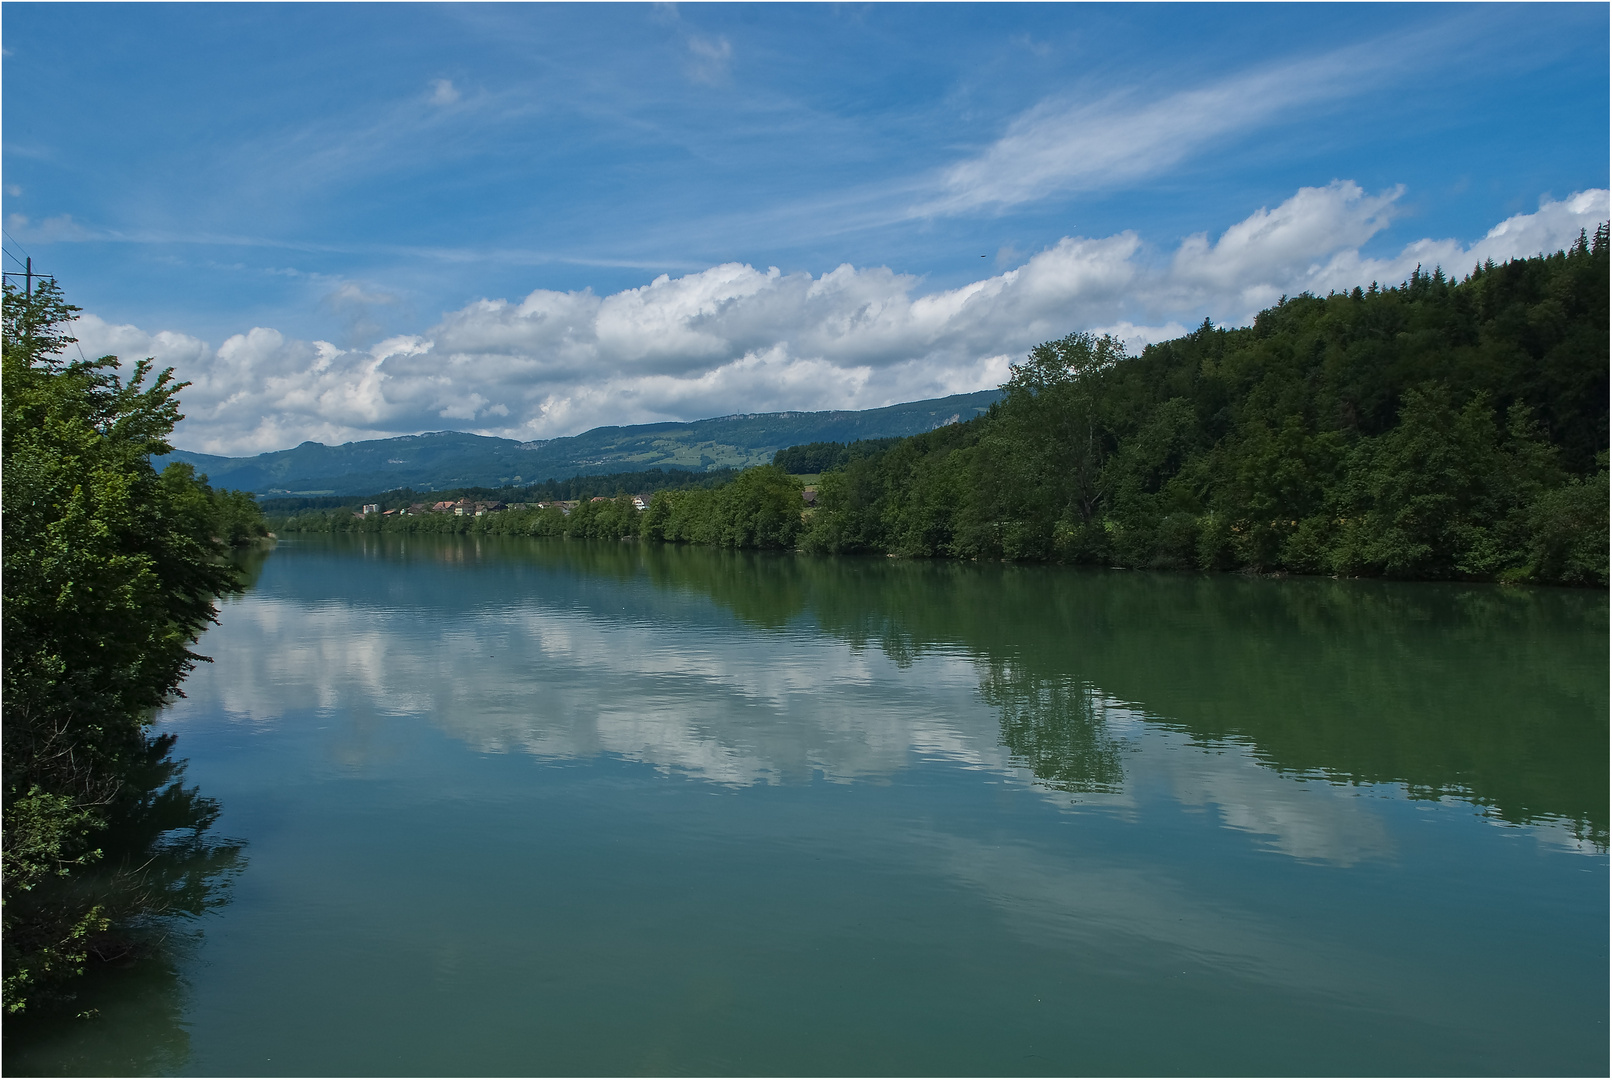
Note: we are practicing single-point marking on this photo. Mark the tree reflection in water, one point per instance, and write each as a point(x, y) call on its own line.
point(162, 859)
point(162, 868)
point(1492, 694)
point(1054, 727)
point(1480, 692)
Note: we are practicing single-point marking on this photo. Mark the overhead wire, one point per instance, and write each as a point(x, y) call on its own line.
point(14, 240)
point(27, 268)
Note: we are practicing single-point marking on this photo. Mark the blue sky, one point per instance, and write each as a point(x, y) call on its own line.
point(348, 221)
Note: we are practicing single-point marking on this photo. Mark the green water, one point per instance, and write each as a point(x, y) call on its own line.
point(547, 807)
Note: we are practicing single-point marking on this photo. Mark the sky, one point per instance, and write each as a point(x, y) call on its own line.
point(343, 222)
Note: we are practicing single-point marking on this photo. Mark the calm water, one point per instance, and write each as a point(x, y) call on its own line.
point(548, 807)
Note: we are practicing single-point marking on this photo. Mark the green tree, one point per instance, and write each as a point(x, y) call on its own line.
point(110, 572)
point(1434, 429)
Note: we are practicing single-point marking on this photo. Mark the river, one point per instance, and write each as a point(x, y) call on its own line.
point(514, 807)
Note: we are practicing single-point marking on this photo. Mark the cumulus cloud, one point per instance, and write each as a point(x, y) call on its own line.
point(735, 338)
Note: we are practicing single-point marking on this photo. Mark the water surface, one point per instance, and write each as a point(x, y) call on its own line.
point(518, 807)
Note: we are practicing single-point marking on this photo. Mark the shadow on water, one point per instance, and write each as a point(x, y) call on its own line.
point(249, 562)
point(1486, 693)
point(136, 1028)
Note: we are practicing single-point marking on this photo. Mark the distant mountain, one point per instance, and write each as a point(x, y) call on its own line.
point(446, 459)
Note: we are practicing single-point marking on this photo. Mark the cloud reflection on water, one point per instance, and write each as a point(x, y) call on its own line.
point(738, 707)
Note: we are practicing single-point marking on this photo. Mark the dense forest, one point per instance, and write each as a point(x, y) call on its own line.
point(1434, 429)
point(111, 570)
point(821, 457)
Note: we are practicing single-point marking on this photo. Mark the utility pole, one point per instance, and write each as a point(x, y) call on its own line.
point(27, 274)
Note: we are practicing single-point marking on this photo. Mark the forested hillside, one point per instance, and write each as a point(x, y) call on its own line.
point(1431, 430)
point(440, 460)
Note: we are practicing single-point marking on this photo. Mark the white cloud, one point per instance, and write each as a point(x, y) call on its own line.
point(710, 59)
point(51, 230)
point(1311, 241)
point(1062, 146)
point(443, 92)
point(1544, 230)
point(352, 294)
point(735, 338)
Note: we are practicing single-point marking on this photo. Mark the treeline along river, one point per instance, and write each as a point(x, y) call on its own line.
point(514, 805)
point(1435, 430)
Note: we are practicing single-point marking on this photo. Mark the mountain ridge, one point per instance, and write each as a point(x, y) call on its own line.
point(442, 459)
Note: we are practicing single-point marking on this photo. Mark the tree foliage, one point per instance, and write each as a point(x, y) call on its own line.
point(820, 457)
point(1431, 430)
point(110, 572)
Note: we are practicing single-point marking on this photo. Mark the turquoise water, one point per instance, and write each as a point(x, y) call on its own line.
point(548, 807)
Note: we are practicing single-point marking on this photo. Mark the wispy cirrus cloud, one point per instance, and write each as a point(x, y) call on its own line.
point(64, 229)
point(1067, 145)
point(709, 59)
point(735, 338)
point(1059, 147)
point(443, 92)
point(1063, 146)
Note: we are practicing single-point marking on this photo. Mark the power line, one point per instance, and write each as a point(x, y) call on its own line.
point(27, 274)
point(14, 240)
point(27, 263)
